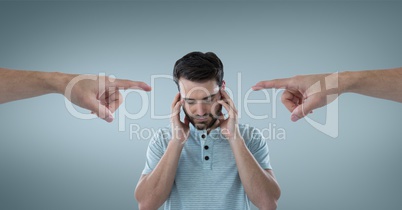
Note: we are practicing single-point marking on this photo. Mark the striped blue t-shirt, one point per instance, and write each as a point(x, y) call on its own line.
point(207, 175)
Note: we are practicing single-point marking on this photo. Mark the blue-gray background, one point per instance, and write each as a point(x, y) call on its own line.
point(51, 160)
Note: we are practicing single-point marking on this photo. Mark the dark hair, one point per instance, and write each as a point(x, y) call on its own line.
point(198, 67)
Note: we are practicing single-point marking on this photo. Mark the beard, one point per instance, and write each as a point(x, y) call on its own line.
point(212, 118)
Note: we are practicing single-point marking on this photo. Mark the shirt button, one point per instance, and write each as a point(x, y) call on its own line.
point(206, 158)
point(206, 147)
point(203, 136)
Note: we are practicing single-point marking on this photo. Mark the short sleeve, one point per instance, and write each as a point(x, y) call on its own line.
point(259, 148)
point(155, 151)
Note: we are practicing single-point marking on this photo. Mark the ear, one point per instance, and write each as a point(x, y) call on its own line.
point(223, 86)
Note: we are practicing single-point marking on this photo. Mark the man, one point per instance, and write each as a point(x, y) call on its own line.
point(208, 161)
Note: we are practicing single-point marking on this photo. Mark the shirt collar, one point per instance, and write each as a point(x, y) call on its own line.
point(194, 130)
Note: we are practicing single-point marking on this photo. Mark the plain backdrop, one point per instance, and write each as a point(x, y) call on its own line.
point(50, 159)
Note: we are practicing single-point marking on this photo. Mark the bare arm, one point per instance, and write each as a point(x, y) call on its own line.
point(98, 94)
point(259, 184)
point(154, 188)
point(304, 93)
point(385, 84)
point(15, 85)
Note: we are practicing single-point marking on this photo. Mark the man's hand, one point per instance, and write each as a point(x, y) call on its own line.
point(230, 125)
point(180, 130)
point(304, 93)
point(100, 95)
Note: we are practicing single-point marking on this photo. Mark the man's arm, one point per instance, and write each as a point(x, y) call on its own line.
point(260, 185)
point(303, 93)
point(98, 94)
point(385, 84)
point(154, 188)
point(16, 84)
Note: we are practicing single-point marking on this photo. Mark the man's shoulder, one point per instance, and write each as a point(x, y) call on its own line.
point(253, 137)
point(249, 132)
point(162, 134)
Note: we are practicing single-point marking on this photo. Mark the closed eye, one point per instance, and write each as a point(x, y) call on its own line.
point(190, 102)
point(208, 100)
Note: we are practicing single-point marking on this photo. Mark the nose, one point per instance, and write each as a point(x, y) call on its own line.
point(200, 109)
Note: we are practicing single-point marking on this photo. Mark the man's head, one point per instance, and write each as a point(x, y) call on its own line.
point(199, 78)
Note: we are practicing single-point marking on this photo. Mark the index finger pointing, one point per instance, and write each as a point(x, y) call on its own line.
point(276, 83)
point(129, 84)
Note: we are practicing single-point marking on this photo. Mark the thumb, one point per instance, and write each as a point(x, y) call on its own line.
point(102, 112)
point(186, 121)
point(303, 110)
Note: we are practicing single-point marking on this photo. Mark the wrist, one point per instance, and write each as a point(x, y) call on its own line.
point(57, 81)
point(236, 141)
point(176, 143)
point(347, 81)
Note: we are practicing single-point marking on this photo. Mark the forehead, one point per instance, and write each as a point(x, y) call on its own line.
point(197, 90)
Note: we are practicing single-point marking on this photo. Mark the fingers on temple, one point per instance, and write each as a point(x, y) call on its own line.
point(227, 102)
point(175, 100)
point(175, 115)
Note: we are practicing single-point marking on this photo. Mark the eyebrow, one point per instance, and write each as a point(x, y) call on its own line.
point(210, 96)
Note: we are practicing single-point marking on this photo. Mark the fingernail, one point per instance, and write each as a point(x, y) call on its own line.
point(294, 118)
point(109, 118)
